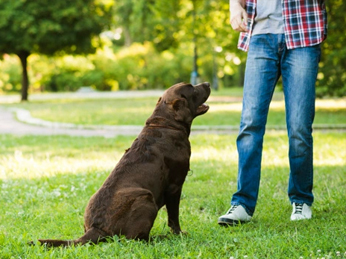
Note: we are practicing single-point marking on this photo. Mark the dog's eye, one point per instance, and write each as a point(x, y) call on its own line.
point(183, 96)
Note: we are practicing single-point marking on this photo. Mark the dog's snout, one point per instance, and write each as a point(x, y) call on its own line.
point(204, 84)
point(207, 84)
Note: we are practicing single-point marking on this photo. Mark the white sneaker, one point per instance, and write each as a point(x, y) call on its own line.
point(301, 211)
point(234, 215)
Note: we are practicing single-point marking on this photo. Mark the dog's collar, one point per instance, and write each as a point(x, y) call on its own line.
point(153, 125)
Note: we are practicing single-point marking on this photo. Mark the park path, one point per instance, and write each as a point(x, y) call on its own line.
point(10, 125)
point(20, 122)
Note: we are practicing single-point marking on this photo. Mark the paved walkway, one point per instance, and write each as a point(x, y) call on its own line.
point(85, 95)
point(9, 125)
point(27, 125)
point(20, 122)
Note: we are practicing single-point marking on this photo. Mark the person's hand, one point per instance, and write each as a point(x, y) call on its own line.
point(238, 15)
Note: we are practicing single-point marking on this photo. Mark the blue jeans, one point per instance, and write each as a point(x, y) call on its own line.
point(267, 60)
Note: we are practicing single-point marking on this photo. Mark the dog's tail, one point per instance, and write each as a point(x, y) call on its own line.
point(92, 235)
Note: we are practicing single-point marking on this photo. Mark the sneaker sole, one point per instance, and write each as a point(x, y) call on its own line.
point(230, 222)
point(297, 219)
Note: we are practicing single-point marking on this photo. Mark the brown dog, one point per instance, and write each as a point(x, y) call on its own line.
point(149, 175)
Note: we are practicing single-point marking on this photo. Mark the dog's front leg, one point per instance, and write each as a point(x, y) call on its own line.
point(172, 205)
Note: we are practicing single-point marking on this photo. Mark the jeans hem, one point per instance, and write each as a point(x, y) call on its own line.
point(301, 202)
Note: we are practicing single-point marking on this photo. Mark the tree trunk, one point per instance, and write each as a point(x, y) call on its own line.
point(23, 56)
point(127, 37)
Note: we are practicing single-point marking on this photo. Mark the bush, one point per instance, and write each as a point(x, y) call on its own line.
point(62, 81)
point(140, 66)
point(10, 74)
point(137, 67)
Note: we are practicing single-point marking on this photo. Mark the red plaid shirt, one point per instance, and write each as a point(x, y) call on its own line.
point(305, 23)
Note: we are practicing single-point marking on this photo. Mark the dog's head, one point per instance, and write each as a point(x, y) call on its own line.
point(185, 101)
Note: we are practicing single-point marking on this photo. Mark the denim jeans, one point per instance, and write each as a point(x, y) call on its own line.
point(267, 60)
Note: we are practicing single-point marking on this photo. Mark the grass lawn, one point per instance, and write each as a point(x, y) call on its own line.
point(46, 182)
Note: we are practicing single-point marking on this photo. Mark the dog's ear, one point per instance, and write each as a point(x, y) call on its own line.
point(158, 101)
point(178, 104)
point(181, 111)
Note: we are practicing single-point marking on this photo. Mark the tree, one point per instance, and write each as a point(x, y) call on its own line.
point(200, 26)
point(50, 27)
point(149, 20)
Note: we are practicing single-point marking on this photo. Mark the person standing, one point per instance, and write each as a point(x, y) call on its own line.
point(283, 39)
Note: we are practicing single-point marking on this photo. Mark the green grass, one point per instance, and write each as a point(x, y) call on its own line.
point(223, 111)
point(46, 182)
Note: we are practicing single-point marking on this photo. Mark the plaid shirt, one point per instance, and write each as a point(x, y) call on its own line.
point(305, 23)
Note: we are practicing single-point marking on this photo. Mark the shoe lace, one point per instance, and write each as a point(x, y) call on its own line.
point(299, 208)
point(232, 209)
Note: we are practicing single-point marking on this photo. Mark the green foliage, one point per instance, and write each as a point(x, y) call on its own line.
point(63, 81)
point(155, 49)
point(44, 26)
point(142, 67)
point(49, 27)
point(172, 28)
point(10, 78)
point(69, 73)
point(155, 21)
point(139, 66)
point(332, 73)
point(174, 25)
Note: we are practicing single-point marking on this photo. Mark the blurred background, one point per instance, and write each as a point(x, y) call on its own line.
point(105, 45)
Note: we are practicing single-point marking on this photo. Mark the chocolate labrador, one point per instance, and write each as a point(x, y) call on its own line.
point(150, 174)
